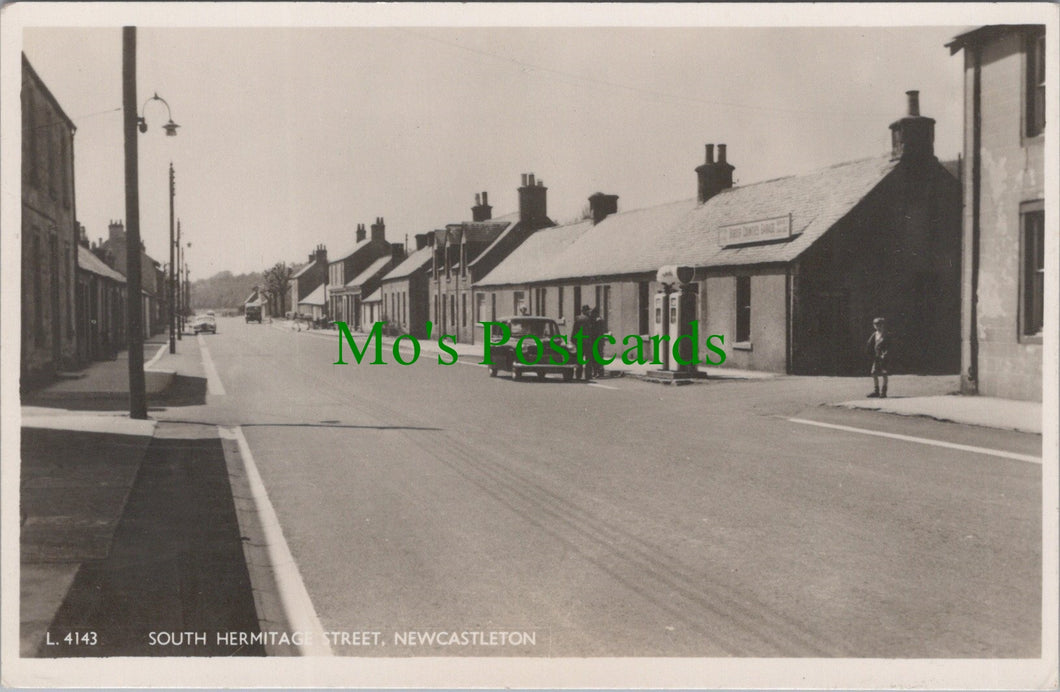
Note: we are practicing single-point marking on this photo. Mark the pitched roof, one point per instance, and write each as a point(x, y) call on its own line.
point(360, 244)
point(687, 233)
point(376, 297)
point(534, 257)
point(316, 297)
point(373, 269)
point(298, 270)
point(414, 262)
point(89, 262)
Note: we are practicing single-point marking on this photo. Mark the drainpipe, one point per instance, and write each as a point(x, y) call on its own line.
point(977, 128)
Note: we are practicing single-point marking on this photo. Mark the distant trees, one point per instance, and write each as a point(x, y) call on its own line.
point(224, 290)
point(276, 280)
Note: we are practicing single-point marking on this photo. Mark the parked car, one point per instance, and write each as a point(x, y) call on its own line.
point(254, 313)
point(205, 323)
point(503, 356)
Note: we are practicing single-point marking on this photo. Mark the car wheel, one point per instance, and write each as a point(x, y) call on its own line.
point(493, 372)
point(540, 375)
point(568, 375)
point(517, 374)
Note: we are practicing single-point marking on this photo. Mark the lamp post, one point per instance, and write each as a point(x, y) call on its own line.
point(131, 121)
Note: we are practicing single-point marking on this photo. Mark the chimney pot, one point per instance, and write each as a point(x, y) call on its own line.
point(710, 153)
point(532, 183)
point(721, 153)
point(478, 198)
point(524, 179)
point(485, 199)
point(914, 102)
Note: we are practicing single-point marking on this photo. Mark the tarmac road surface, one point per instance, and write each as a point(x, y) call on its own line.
point(632, 520)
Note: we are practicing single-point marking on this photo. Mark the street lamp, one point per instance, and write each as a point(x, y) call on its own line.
point(131, 121)
point(170, 127)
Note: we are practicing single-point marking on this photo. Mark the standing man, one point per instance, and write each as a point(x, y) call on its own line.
point(878, 346)
point(597, 328)
point(583, 327)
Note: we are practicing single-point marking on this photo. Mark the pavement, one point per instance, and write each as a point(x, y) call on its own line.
point(983, 411)
point(128, 527)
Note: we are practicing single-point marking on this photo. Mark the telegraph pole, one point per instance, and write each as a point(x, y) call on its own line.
point(172, 268)
point(176, 288)
point(134, 316)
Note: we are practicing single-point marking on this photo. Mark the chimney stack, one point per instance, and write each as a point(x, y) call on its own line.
point(116, 231)
point(714, 176)
point(360, 232)
point(482, 211)
point(320, 254)
point(601, 206)
point(913, 137)
point(532, 200)
point(397, 252)
point(422, 240)
point(378, 229)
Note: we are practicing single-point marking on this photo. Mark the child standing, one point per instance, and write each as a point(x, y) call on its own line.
point(878, 345)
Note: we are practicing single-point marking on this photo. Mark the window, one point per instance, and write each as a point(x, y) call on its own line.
point(539, 301)
point(643, 301)
point(1033, 280)
point(493, 307)
point(452, 309)
point(463, 309)
point(560, 302)
point(577, 300)
point(743, 309)
point(518, 302)
point(1035, 96)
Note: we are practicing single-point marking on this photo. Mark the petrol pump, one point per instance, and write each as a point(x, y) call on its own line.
point(675, 309)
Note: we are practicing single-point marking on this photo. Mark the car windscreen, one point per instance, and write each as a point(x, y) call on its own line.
point(540, 328)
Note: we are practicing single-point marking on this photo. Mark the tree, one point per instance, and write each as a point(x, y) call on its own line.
point(277, 286)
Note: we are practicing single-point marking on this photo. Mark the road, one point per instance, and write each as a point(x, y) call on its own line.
point(633, 519)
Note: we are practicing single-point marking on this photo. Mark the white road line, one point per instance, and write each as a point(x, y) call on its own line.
point(925, 441)
point(158, 355)
point(213, 380)
point(298, 608)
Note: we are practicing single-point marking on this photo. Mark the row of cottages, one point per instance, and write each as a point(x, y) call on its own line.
point(73, 294)
point(356, 274)
point(464, 253)
point(404, 293)
point(1003, 287)
point(101, 305)
point(790, 271)
point(114, 253)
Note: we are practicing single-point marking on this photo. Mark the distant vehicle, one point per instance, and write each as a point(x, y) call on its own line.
point(205, 323)
point(548, 360)
point(253, 313)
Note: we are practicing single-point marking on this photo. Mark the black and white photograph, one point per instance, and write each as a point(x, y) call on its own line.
point(531, 345)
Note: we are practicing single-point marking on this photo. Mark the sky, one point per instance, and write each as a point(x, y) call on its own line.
point(290, 137)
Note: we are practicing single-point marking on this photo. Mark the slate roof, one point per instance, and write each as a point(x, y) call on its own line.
point(373, 269)
point(686, 233)
point(302, 269)
point(534, 257)
point(316, 297)
point(417, 260)
point(354, 249)
point(90, 263)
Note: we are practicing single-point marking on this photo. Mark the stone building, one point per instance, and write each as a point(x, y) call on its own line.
point(464, 253)
point(101, 296)
point(790, 271)
point(113, 252)
point(404, 292)
point(1003, 286)
point(343, 303)
point(306, 279)
point(49, 234)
